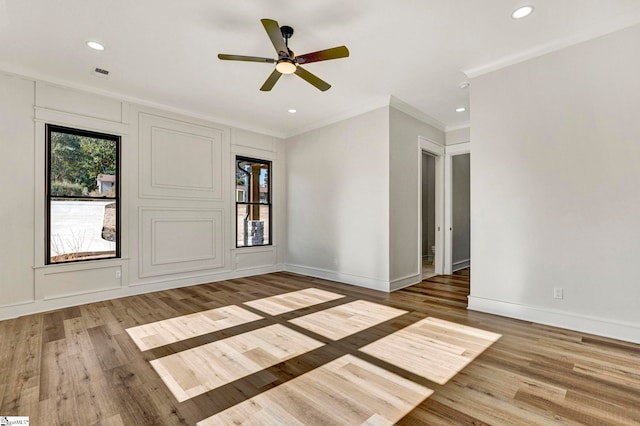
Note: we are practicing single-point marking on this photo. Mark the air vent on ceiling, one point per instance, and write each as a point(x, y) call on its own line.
point(101, 72)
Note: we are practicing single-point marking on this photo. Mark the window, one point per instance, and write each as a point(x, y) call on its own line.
point(82, 195)
point(253, 202)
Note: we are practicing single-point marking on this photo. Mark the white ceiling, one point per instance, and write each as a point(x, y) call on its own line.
point(164, 52)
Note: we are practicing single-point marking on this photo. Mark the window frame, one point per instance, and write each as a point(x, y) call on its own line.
point(269, 203)
point(53, 128)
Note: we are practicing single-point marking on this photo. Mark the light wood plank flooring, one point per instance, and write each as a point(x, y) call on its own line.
point(287, 302)
point(207, 367)
point(432, 348)
point(79, 366)
point(344, 320)
point(346, 391)
point(160, 333)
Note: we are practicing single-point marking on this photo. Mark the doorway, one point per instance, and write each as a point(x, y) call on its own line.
point(457, 207)
point(428, 215)
point(460, 212)
point(431, 207)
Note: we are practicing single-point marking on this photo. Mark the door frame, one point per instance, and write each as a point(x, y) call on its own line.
point(438, 151)
point(450, 151)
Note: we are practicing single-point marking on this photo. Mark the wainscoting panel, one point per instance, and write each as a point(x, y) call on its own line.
point(180, 160)
point(61, 281)
point(250, 258)
point(180, 240)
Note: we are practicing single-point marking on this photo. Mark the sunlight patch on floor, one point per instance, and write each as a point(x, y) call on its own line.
point(347, 319)
point(292, 301)
point(160, 333)
point(432, 348)
point(204, 368)
point(346, 391)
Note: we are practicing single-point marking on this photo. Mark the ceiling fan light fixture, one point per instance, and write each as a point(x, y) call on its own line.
point(286, 66)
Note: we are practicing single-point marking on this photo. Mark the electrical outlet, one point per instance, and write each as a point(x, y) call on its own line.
point(118, 274)
point(557, 293)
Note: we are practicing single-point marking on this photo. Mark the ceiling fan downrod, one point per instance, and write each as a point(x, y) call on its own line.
point(286, 32)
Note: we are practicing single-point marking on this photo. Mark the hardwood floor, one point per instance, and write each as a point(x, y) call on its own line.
point(79, 366)
point(367, 394)
point(341, 321)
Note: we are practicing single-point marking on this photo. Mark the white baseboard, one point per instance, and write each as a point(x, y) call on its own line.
point(37, 306)
point(586, 324)
point(341, 277)
point(461, 264)
point(403, 282)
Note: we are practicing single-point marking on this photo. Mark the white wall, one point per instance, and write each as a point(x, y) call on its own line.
point(556, 187)
point(16, 190)
point(338, 206)
point(177, 180)
point(404, 195)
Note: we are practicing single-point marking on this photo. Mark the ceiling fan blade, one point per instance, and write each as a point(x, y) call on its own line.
point(323, 55)
point(271, 81)
point(311, 78)
point(274, 33)
point(244, 58)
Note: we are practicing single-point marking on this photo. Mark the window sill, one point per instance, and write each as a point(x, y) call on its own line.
point(83, 265)
point(255, 248)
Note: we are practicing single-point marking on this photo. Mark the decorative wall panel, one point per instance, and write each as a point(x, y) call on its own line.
point(180, 160)
point(246, 259)
point(180, 240)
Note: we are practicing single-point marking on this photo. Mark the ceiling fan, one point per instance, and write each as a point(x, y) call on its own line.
point(287, 62)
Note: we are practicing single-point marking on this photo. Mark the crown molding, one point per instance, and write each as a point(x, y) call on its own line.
point(415, 113)
point(459, 126)
point(593, 32)
point(370, 105)
point(137, 101)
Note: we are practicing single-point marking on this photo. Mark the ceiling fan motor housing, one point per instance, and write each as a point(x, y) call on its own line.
point(286, 31)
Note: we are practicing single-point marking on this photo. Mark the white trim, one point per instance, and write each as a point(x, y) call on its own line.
point(428, 145)
point(448, 214)
point(458, 148)
point(461, 264)
point(244, 151)
point(34, 307)
point(592, 32)
point(582, 323)
point(406, 281)
point(43, 116)
point(341, 277)
point(437, 150)
point(70, 119)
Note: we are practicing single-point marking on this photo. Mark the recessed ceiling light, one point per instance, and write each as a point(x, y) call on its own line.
point(292, 111)
point(461, 109)
point(522, 12)
point(95, 45)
